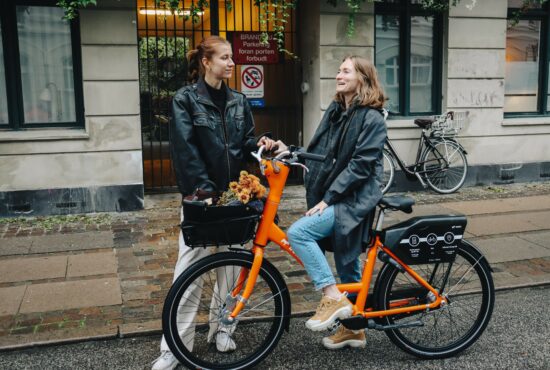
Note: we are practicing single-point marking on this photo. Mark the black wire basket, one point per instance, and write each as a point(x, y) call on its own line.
point(206, 226)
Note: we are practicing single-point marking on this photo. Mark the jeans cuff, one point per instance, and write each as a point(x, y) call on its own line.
point(325, 282)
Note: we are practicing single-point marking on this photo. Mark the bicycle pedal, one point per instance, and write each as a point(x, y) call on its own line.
point(355, 322)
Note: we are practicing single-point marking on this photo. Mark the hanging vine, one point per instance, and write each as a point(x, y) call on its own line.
point(277, 12)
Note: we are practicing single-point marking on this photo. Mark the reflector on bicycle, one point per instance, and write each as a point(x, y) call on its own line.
point(425, 239)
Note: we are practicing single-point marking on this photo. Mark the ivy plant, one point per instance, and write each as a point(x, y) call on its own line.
point(277, 12)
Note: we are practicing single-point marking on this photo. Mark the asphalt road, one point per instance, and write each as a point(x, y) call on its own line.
point(518, 337)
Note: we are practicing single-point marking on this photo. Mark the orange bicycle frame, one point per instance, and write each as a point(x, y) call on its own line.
point(267, 231)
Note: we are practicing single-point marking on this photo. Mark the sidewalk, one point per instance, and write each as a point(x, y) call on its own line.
point(65, 278)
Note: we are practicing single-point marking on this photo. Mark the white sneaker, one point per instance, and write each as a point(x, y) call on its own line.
point(224, 342)
point(166, 361)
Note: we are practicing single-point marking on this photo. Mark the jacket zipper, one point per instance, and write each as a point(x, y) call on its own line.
point(224, 128)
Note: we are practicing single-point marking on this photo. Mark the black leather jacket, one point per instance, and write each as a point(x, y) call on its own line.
point(206, 144)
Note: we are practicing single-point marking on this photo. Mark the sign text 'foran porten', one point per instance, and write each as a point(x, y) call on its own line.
point(248, 49)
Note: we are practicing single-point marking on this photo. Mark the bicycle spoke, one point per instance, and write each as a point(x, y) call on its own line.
point(451, 324)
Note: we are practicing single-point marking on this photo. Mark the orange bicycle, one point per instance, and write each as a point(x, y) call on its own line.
point(433, 296)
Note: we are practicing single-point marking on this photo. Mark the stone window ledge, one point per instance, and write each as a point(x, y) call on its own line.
point(44, 135)
point(401, 123)
point(526, 121)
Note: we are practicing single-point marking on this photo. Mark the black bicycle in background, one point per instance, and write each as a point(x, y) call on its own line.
point(440, 163)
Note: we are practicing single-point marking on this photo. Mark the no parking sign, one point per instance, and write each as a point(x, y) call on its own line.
point(252, 81)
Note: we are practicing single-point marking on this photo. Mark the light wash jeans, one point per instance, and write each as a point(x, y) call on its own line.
point(303, 236)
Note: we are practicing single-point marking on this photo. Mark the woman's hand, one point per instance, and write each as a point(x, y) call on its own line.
point(320, 207)
point(269, 143)
point(281, 147)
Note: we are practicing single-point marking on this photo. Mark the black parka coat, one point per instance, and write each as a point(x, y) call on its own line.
point(350, 180)
point(206, 144)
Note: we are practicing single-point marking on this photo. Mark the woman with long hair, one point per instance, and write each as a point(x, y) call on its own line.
point(341, 191)
point(211, 134)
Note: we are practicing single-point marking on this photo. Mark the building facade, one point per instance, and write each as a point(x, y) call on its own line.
point(469, 59)
point(84, 104)
point(69, 110)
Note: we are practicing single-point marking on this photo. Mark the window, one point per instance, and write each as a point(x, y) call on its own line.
point(3, 95)
point(527, 71)
point(40, 78)
point(407, 56)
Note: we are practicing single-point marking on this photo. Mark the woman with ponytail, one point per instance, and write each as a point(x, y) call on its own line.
point(212, 135)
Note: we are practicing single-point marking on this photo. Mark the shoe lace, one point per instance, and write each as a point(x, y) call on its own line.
point(320, 307)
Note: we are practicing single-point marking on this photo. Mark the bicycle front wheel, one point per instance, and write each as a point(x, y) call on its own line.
point(194, 307)
point(389, 171)
point(445, 166)
point(468, 285)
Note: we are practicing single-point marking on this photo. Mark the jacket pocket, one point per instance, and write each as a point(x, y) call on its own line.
point(239, 121)
point(201, 120)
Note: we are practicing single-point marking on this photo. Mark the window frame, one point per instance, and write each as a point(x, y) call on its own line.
point(543, 15)
point(404, 10)
point(12, 67)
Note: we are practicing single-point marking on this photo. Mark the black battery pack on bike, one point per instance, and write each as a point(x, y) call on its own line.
point(425, 239)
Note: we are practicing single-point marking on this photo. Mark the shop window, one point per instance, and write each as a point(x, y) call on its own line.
point(526, 87)
point(40, 82)
point(407, 56)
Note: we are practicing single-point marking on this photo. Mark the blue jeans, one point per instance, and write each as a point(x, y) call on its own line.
point(303, 236)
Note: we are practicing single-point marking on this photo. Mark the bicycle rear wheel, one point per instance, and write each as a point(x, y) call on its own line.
point(389, 171)
point(195, 304)
point(445, 166)
point(449, 329)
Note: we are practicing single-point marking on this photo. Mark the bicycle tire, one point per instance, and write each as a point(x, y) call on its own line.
point(444, 166)
point(459, 320)
point(257, 335)
point(389, 171)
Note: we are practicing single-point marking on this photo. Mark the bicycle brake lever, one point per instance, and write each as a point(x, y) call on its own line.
point(301, 165)
point(258, 154)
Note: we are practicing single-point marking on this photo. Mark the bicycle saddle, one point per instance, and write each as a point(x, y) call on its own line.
point(398, 203)
point(424, 122)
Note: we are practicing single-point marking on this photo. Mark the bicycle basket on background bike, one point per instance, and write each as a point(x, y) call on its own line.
point(205, 226)
point(425, 239)
point(449, 124)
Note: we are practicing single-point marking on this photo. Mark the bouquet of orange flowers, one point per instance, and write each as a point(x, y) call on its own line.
point(246, 189)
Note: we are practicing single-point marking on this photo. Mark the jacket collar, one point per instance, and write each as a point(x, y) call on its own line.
point(204, 97)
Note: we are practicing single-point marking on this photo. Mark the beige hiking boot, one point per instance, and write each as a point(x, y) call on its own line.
point(328, 311)
point(345, 337)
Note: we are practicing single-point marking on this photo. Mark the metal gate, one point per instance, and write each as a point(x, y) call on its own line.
point(163, 41)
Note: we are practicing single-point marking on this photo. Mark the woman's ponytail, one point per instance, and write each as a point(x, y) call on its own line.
point(195, 65)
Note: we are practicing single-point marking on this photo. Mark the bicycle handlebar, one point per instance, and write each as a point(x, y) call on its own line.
point(311, 156)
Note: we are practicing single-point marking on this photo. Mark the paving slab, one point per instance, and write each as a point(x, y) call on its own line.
point(540, 219)
point(15, 246)
point(478, 207)
point(58, 336)
point(500, 224)
point(34, 268)
point(10, 299)
point(540, 238)
point(71, 294)
point(510, 248)
point(87, 264)
point(72, 242)
point(140, 328)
